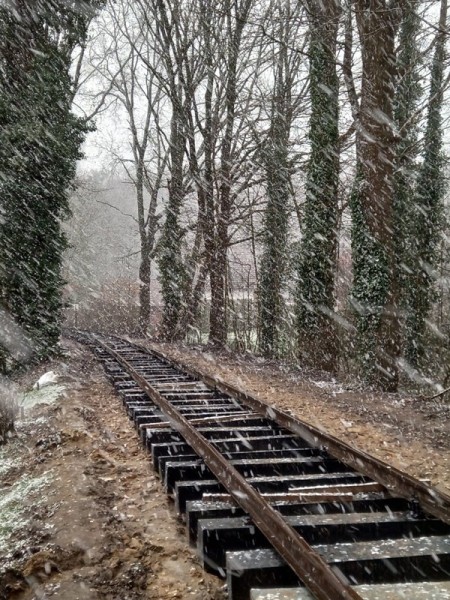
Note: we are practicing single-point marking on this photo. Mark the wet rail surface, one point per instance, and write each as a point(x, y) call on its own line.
point(279, 509)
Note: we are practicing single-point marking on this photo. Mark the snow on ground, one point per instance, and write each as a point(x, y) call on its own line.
point(45, 395)
point(332, 386)
point(14, 513)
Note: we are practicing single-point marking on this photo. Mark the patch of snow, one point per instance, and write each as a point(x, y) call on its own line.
point(47, 395)
point(332, 386)
point(6, 464)
point(13, 515)
point(40, 420)
point(48, 378)
point(6, 461)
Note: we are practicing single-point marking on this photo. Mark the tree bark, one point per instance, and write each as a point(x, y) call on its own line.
point(274, 258)
point(375, 275)
point(170, 262)
point(218, 265)
point(144, 289)
point(315, 302)
point(427, 210)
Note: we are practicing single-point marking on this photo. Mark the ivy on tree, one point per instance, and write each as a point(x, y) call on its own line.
point(275, 235)
point(406, 101)
point(316, 266)
point(40, 141)
point(375, 285)
point(428, 209)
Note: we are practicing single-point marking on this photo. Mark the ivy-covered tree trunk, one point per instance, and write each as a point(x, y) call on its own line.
point(145, 270)
point(40, 141)
point(274, 258)
point(375, 289)
point(427, 209)
point(145, 262)
point(171, 267)
point(316, 267)
point(407, 96)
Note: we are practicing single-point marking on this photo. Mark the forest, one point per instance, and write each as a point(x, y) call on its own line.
point(268, 176)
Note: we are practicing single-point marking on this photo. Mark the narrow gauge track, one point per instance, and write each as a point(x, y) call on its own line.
point(272, 502)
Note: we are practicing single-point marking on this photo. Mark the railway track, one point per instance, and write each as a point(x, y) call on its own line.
point(282, 510)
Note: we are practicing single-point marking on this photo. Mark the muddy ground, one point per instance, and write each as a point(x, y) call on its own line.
point(90, 519)
point(82, 514)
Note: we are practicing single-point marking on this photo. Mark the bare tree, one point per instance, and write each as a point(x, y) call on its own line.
point(135, 88)
point(236, 16)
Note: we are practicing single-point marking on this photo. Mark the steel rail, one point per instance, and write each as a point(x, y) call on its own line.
point(308, 565)
point(429, 498)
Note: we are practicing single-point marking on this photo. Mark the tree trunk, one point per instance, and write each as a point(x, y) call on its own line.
point(144, 264)
point(315, 300)
point(408, 94)
point(170, 262)
point(273, 262)
point(427, 221)
point(144, 290)
point(218, 265)
point(375, 290)
point(217, 317)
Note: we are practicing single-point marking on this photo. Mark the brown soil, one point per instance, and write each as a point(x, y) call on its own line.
point(407, 432)
point(106, 529)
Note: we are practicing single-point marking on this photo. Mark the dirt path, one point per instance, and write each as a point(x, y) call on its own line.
point(409, 433)
point(87, 516)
